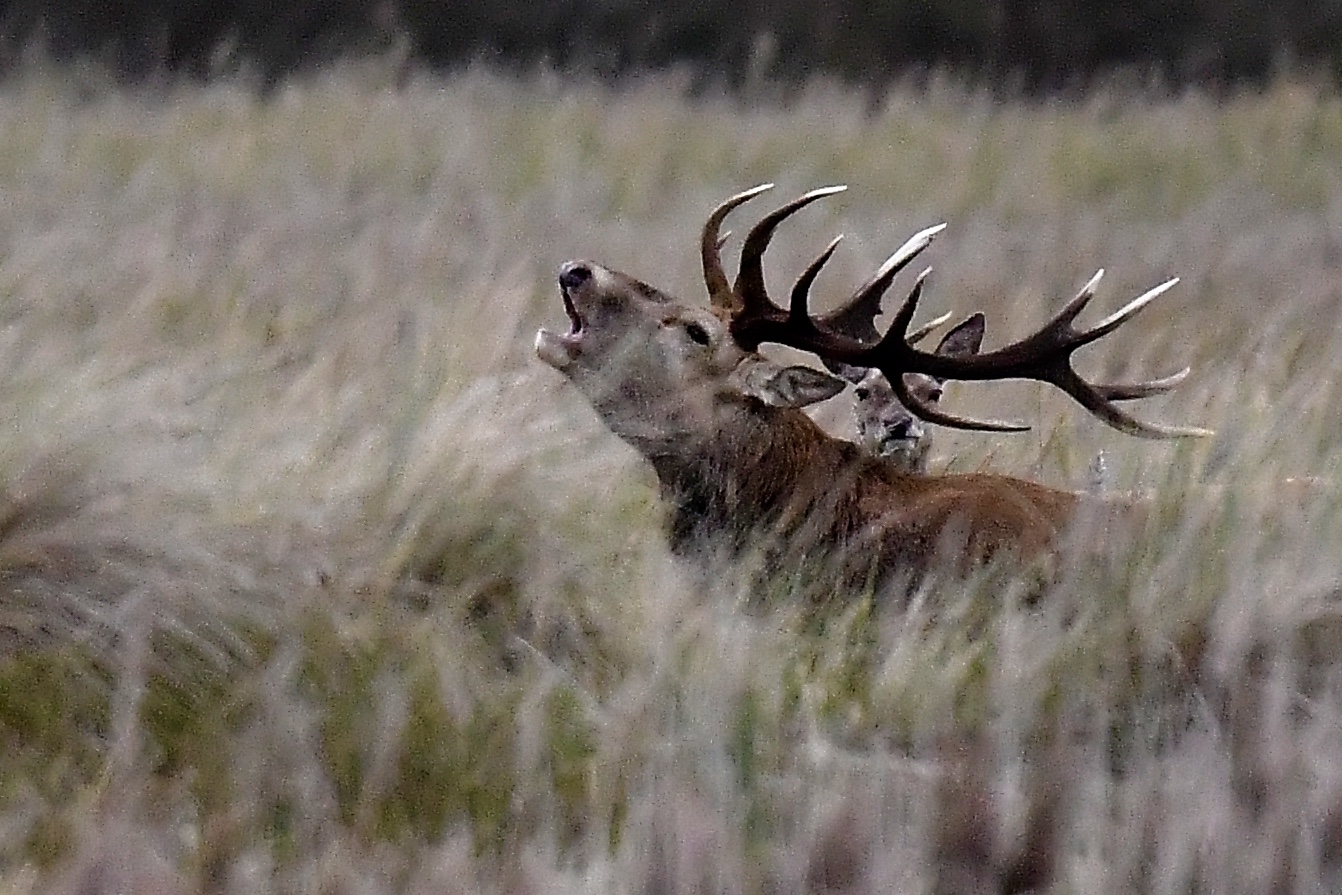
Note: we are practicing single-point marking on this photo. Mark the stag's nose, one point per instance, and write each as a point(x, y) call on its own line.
point(574, 274)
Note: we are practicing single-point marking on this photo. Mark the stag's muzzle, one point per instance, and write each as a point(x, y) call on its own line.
point(556, 349)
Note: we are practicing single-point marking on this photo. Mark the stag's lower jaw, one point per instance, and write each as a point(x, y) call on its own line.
point(558, 349)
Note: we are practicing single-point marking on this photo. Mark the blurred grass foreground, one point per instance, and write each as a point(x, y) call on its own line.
point(313, 580)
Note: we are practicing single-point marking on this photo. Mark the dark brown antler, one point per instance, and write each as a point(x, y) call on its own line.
point(1044, 356)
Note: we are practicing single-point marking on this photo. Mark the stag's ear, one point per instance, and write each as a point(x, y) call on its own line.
point(965, 339)
point(781, 386)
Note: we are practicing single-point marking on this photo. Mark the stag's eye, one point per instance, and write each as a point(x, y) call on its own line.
point(697, 333)
point(862, 393)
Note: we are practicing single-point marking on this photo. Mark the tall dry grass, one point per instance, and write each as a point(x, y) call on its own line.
point(312, 580)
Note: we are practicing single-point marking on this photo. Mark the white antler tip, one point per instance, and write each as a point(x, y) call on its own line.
point(826, 191)
point(905, 253)
point(1157, 291)
point(1131, 308)
point(751, 193)
point(740, 198)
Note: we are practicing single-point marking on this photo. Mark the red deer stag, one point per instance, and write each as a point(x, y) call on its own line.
point(755, 487)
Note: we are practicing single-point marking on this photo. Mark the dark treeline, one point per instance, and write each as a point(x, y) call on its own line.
point(1027, 44)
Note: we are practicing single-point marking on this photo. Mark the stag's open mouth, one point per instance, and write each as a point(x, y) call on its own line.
point(560, 350)
point(575, 321)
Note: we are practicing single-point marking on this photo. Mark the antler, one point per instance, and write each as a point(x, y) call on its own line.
point(1044, 356)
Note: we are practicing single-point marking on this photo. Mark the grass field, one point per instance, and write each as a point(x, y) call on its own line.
point(312, 579)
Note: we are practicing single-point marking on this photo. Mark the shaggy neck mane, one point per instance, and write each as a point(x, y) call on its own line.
point(758, 473)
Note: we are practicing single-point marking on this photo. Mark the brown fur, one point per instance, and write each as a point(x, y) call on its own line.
point(773, 484)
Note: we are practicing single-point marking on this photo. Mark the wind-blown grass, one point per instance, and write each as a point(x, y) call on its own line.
point(312, 579)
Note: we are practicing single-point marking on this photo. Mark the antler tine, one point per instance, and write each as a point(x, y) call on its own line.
point(899, 326)
point(720, 292)
point(802, 288)
point(927, 329)
point(751, 295)
point(933, 414)
point(1134, 390)
point(1074, 307)
point(1095, 398)
point(857, 317)
point(1061, 331)
point(1126, 313)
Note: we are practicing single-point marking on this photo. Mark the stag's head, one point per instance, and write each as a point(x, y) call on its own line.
point(660, 371)
point(657, 368)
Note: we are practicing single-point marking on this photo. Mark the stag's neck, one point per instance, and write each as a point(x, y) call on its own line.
point(761, 468)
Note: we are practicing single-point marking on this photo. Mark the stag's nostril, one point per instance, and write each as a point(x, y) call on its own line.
point(902, 430)
point(574, 274)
